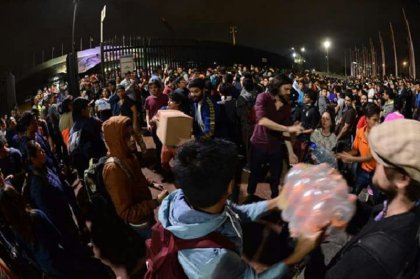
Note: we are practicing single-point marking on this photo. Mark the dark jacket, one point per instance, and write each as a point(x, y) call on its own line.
point(56, 257)
point(383, 249)
point(47, 192)
point(91, 143)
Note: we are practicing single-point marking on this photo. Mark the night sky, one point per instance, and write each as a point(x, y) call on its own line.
point(29, 26)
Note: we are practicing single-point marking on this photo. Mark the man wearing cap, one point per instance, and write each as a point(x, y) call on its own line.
point(388, 245)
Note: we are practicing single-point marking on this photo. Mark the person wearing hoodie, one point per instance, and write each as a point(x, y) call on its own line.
point(204, 170)
point(124, 179)
point(89, 141)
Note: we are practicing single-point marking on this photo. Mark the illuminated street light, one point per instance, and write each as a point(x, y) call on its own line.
point(405, 64)
point(302, 49)
point(327, 45)
point(294, 54)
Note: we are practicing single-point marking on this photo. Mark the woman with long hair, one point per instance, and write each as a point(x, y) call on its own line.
point(324, 136)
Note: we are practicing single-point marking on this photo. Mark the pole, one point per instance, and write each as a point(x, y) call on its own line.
point(410, 68)
point(52, 52)
point(411, 47)
point(356, 72)
point(62, 49)
point(382, 54)
point(395, 49)
point(74, 25)
point(103, 15)
point(373, 57)
point(345, 63)
point(71, 60)
point(328, 62)
point(233, 31)
point(81, 43)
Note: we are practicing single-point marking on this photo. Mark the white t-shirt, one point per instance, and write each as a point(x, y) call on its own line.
point(371, 94)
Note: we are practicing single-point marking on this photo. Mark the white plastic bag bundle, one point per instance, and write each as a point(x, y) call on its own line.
point(314, 197)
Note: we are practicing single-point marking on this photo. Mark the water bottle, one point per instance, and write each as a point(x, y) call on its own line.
point(322, 155)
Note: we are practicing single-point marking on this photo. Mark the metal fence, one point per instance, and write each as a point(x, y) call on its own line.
point(152, 52)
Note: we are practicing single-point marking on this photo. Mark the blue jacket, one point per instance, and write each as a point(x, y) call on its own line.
point(208, 116)
point(186, 223)
point(53, 197)
point(113, 100)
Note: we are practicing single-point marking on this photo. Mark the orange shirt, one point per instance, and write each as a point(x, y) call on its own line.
point(361, 145)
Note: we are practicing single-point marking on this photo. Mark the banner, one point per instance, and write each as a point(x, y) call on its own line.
point(126, 64)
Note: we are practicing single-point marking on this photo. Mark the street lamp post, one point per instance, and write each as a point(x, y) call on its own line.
point(327, 45)
point(103, 15)
point(71, 61)
point(75, 2)
point(405, 64)
point(294, 54)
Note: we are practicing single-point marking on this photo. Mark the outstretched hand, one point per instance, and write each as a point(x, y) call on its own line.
point(304, 246)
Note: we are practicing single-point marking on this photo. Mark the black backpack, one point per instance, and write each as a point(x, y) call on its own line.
point(117, 241)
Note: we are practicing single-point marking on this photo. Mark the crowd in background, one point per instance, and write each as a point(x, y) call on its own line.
point(52, 226)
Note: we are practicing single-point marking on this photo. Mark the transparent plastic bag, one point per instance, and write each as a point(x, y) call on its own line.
point(322, 155)
point(313, 197)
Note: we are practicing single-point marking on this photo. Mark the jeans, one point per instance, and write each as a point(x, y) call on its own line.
point(168, 152)
point(158, 145)
point(363, 179)
point(259, 157)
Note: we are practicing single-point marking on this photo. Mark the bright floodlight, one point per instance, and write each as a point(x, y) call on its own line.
point(302, 49)
point(405, 63)
point(327, 44)
point(293, 48)
point(294, 54)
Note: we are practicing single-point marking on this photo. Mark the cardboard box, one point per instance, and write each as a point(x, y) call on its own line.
point(173, 127)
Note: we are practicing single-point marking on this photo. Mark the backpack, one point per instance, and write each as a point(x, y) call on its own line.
point(162, 251)
point(74, 141)
point(78, 155)
point(117, 241)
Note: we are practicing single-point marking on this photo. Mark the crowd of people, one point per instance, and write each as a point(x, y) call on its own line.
point(75, 203)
